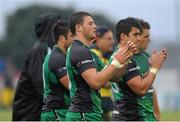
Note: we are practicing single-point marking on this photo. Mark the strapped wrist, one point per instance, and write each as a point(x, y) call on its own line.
point(154, 70)
point(117, 64)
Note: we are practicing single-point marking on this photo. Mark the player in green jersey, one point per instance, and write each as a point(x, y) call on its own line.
point(148, 103)
point(133, 85)
point(56, 84)
point(83, 71)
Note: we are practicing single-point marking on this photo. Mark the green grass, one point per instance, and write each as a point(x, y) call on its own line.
point(6, 115)
point(170, 116)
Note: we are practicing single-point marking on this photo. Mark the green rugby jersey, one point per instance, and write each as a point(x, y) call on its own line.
point(56, 96)
point(125, 105)
point(84, 98)
point(123, 108)
point(145, 102)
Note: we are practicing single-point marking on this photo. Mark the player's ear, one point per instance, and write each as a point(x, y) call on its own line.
point(123, 36)
point(78, 28)
point(61, 38)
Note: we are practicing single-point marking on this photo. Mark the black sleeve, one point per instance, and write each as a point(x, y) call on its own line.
point(131, 71)
point(35, 60)
point(82, 59)
point(57, 65)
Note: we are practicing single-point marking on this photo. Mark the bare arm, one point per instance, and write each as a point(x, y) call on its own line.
point(131, 49)
point(64, 81)
point(156, 106)
point(118, 74)
point(140, 85)
point(98, 79)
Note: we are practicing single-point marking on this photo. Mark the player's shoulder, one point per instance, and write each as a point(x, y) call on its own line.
point(38, 48)
point(57, 56)
point(56, 59)
point(78, 48)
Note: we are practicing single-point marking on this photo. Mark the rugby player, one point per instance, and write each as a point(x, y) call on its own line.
point(133, 85)
point(56, 84)
point(85, 79)
point(147, 103)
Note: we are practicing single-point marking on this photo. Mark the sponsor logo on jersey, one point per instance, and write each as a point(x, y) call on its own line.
point(61, 69)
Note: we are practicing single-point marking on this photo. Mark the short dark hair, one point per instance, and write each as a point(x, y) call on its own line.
point(102, 30)
point(75, 19)
point(144, 24)
point(43, 26)
point(60, 28)
point(125, 26)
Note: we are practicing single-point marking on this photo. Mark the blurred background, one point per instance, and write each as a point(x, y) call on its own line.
point(17, 36)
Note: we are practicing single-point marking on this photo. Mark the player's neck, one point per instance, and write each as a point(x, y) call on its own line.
point(62, 47)
point(82, 39)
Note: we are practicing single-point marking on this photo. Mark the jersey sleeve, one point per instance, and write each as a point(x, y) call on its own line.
point(58, 65)
point(82, 59)
point(131, 71)
point(33, 64)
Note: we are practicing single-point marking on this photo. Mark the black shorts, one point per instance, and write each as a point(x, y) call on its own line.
point(117, 116)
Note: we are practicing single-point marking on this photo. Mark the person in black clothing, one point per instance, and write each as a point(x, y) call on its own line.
point(28, 100)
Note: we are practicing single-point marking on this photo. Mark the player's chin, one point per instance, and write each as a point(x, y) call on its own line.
point(93, 35)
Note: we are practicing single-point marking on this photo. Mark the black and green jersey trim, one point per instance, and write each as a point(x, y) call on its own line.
point(56, 96)
point(84, 98)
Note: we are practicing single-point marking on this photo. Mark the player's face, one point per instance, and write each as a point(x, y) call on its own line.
point(69, 39)
point(89, 28)
point(145, 39)
point(107, 41)
point(134, 36)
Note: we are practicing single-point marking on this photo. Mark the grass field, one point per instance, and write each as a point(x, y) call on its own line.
point(6, 115)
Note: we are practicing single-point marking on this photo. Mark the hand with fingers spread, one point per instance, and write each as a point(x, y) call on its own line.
point(157, 59)
point(125, 52)
point(164, 53)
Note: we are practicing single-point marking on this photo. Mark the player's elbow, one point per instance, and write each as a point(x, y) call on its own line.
point(141, 93)
point(95, 85)
point(138, 88)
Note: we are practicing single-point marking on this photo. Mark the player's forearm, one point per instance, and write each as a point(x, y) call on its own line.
point(105, 75)
point(119, 73)
point(156, 106)
point(141, 85)
point(65, 82)
point(66, 85)
point(157, 115)
point(147, 82)
point(98, 79)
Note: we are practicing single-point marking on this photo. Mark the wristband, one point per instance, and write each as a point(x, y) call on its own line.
point(117, 64)
point(154, 70)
